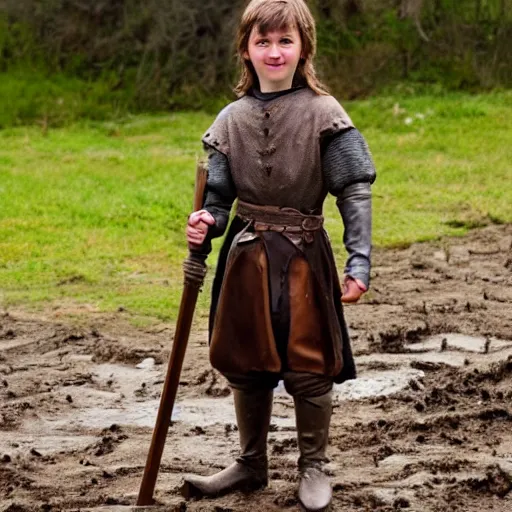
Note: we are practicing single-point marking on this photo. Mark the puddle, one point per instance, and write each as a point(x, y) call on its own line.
point(44, 444)
point(205, 412)
point(202, 412)
point(449, 358)
point(376, 383)
point(114, 395)
point(461, 342)
point(138, 414)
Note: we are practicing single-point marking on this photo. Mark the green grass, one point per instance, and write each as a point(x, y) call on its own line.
point(95, 212)
point(31, 96)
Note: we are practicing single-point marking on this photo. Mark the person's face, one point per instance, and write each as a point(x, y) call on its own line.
point(275, 57)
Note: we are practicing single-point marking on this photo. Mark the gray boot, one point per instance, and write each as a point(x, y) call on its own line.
point(313, 417)
point(249, 472)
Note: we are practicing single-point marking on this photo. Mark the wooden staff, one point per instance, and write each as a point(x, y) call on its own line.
point(194, 268)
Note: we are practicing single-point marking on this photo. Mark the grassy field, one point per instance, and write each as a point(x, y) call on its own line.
point(94, 213)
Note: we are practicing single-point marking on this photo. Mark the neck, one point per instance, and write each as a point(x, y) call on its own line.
point(276, 87)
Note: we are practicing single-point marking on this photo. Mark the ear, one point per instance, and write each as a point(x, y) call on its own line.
point(245, 55)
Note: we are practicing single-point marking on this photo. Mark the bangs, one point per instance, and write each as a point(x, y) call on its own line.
point(274, 16)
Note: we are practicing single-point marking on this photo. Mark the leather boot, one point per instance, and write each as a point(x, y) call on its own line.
point(249, 472)
point(313, 417)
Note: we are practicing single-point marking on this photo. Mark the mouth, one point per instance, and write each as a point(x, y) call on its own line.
point(275, 66)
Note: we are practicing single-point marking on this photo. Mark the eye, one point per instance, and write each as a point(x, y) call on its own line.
point(261, 42)
point(286, 40)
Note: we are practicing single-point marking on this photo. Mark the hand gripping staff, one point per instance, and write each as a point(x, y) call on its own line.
point(194, 268)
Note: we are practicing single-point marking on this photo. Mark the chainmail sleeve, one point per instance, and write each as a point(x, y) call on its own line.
point(348, 172)
point(219, 195)
point(346, 160)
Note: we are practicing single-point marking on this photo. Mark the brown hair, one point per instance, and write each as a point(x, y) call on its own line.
point(270, 15)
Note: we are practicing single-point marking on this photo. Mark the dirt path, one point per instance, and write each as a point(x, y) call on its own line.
point(426, 427)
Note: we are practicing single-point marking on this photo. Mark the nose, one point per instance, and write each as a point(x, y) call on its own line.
point(274, 52)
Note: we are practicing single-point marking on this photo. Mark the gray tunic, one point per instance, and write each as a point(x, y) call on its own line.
point(272, 163)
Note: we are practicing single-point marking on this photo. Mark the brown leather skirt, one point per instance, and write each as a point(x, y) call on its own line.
point(273, 314)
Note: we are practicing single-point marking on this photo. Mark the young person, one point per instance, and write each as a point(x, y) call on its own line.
point(276, 308)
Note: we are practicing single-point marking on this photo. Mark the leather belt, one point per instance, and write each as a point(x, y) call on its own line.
point(275, 218)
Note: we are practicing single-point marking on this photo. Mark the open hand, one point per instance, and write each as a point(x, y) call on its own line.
point(352, 289)
point(197, 227)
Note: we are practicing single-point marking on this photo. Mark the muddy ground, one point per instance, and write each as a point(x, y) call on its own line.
point(426, 427)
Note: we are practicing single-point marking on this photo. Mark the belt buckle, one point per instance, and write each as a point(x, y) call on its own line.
point(310, 224)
